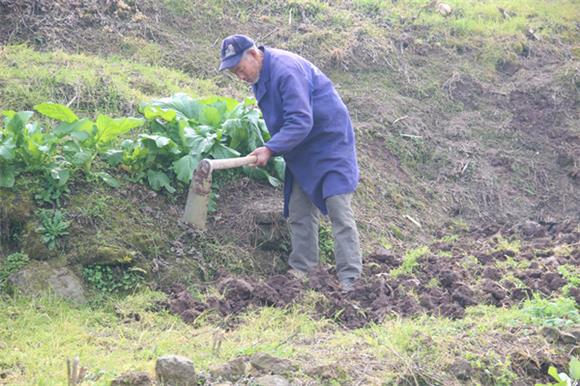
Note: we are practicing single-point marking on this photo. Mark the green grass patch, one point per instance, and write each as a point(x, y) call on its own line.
point(88, 83)
point(410, 261)
point(38, 335)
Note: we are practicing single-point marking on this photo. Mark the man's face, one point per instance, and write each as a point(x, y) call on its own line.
point(248, 69)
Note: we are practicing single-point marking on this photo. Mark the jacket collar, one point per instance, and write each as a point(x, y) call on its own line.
point(261, 87)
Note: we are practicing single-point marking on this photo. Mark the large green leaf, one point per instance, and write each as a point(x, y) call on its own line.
point(153, 112)
point(201, 145)
point(184, 105)
point(237, 131)
point(7, 176)
point(279, 167)
point(113, 156)
point(82, 125)
point(210, 116)
point(60, 174)
point(185, 166)
point(188, 136)
point(160, 142)
point(82, 157)
point(109, 129)
point(219, 151)
point(158, 180)
point(7, 149)
point(261, 174)
point(17, 122)
point(575, 368)
point(108, 179)
point(56, 111)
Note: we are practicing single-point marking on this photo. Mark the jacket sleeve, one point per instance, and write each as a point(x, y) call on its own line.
point(295, 91)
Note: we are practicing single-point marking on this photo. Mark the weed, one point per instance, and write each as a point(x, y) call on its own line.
point(511, 278)
point(564, 379)
point(96, 209)
point(410, 261)
point(563, 250)
point(512, 264)
point(396, 232)
point(556, 313)
point(449, 239)
point(434, 283)
point(114, 279)
point(469, 262)
point(53, 227)
point(326, 243)
point(496, 370)
point(503, 244)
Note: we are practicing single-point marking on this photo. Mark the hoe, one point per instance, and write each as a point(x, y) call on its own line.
point(198, 195)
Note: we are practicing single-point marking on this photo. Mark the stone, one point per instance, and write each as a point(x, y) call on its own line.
point(568, 338)
point(271, 380)
point(175, 370)
point(271, 365)
point(230, 371)
point(461, 368)
point(550, 333)
point(443, 9)
point(132, 378)
point(39, 277)
point(326, 372)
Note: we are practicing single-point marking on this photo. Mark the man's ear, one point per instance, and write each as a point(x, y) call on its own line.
point(255, 54)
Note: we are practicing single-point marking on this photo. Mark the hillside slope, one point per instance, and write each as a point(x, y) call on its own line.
point(453, 122)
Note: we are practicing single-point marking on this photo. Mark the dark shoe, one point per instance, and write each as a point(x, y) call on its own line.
point(346, 285)
point(297, 274)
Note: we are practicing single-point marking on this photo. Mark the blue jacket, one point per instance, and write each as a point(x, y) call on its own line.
point(310, 127)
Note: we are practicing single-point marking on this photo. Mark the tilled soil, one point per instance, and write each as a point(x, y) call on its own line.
point(480, 267)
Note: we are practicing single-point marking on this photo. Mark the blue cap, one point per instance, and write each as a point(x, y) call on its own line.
point(232, 49)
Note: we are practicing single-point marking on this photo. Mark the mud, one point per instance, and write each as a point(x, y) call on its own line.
point(447, 280)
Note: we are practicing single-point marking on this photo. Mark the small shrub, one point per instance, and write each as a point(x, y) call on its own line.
point(114, 279)
point(53, 227)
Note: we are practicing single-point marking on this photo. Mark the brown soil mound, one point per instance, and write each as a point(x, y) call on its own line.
point(448, 280)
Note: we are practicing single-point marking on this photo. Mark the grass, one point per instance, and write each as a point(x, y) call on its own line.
point(410, 261)
point(90, 84)
point(38, 335)
point(480, 18)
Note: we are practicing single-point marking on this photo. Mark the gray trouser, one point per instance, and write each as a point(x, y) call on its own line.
point(304, 221)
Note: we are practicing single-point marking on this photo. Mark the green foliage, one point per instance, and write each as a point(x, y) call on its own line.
point(178, 132)
point(53, 227)
point(503, 244)
point(326, 243)
point(11, 264)
point(181, 131)
point(563, 379)
point(114, 279)
point(555, 313)
point(410, 261)
point(572, 275)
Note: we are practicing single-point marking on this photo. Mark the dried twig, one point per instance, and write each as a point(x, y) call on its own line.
point(75, 374)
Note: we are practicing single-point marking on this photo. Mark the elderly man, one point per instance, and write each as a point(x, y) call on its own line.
point(311, 128)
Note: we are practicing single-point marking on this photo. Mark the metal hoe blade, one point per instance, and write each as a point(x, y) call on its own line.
point(198, 196)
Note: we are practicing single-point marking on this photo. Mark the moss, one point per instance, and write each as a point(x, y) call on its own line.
point(16, 209)
point(109, 255)
point(32, 243)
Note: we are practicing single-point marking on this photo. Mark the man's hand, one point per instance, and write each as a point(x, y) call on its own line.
point(264, 154)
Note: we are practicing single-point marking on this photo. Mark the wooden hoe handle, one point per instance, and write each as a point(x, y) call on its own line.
point(228, 163)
